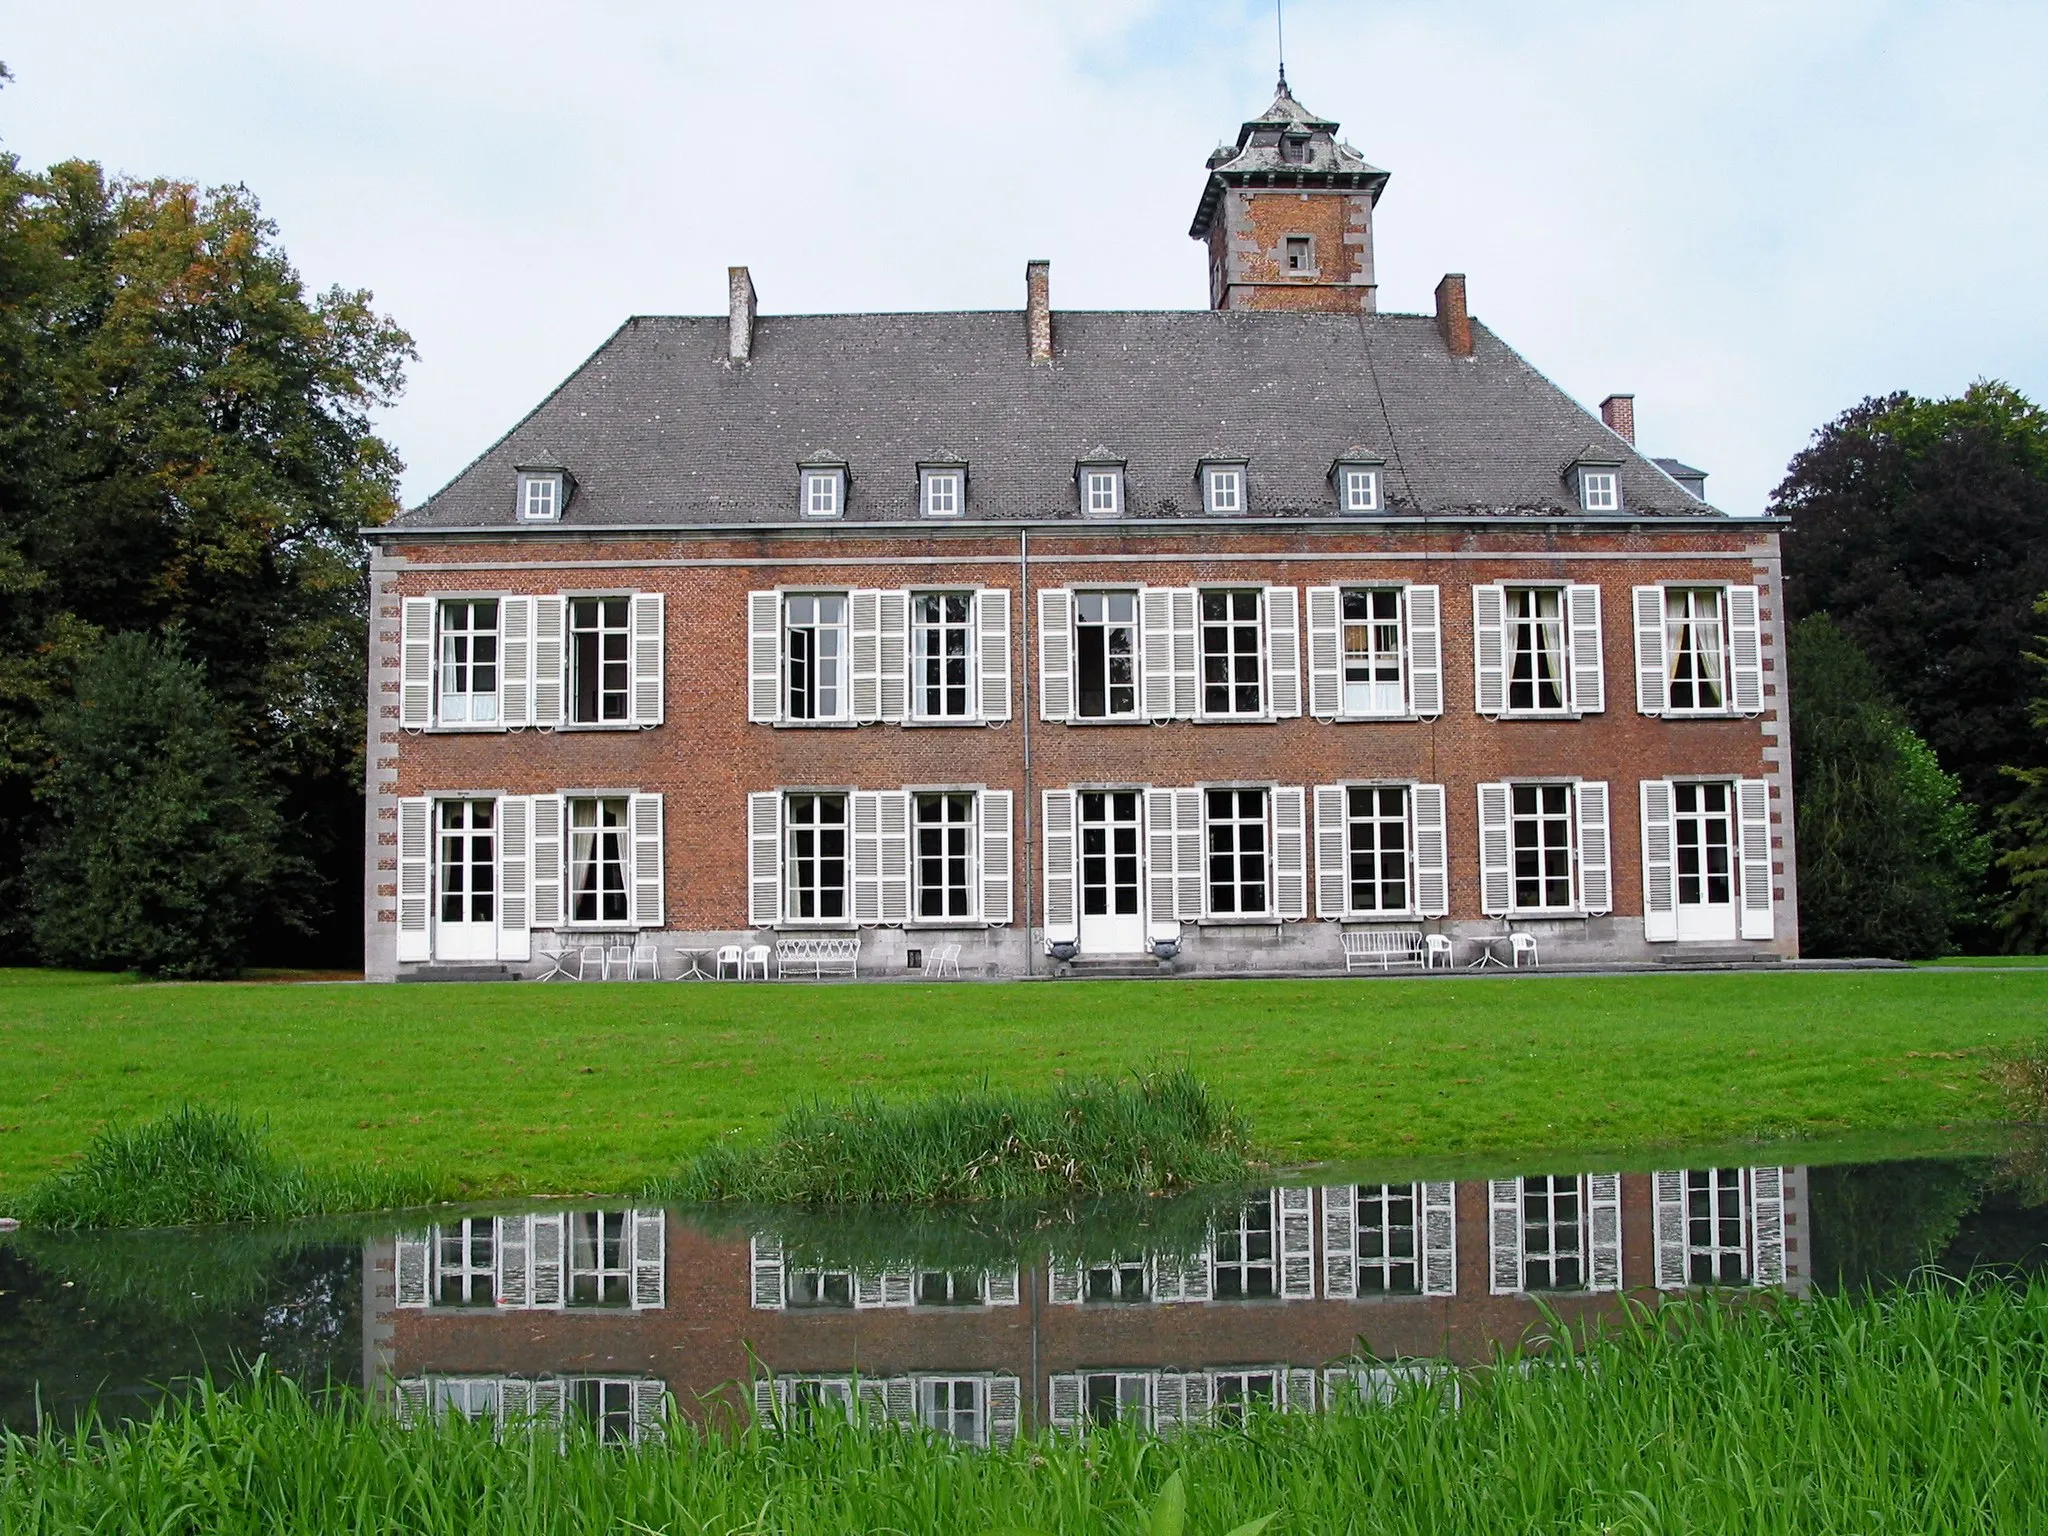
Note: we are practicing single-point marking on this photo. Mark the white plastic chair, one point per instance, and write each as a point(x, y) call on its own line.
point(755, 955)
point(945, 961)
point(732, 955)
point(1435, 945)
point(644, 956)
point(1520, 944)
point(590, 962)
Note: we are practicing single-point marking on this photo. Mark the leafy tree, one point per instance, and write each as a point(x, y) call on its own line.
point(2023, 825)
point(162, 848)
point(1890, 858)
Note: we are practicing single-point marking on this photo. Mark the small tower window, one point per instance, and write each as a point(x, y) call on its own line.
point(1301, 253)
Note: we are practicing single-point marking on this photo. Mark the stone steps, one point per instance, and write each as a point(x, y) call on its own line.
point(478, 972)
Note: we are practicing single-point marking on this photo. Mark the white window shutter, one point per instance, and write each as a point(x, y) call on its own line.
point(547, 1400)
point(1325, 653)
point(1283, 653)
point(515, 874)
point(550, 660)
point(1294, 1212)
point(1660, 891)
point(1652, 683)
point(1197, 1398)
point(1005, 1402)
point(899, 1289)
point(549, 1234)
point(1603, 1231)
point(1333, 863)
point(1300, 1396)
point(415, 869)
point(648, 636)
point(1187, 656)
point(764, 859)
point(1489, 650)
point(1170, 1402)
point(1063, 1396)
point(1161, 862)
point(515, 661)
point(1290, 854)
point(514, 1235)
point(766, 1263)
point(1496, 872)
point(895, 825)
point(1425, 651)
point(1432, 849)
point(866, 811)
point(1063, 1282)
point(650, 1257)
point(1596, 853)
point(650, 1409)
point(1340, 1241)
point(1668, 1185)
point(1055, 654)
point(416, 664)
point(893, 655)
point(411, 1398)
point(766, 1413)
point(1189, 878)
point(1589, 661)
point(1000, 1286)
point(644, 814)
point(1062, 900)
point(1504, 1235)
point(545, 870)
point(992, 621)
point(1155, 609)
point(1753, 814)
point(865, 669)
point(1440, 1238)
point(764, 657)
point(1767, 1226)
point(1745, 651)
point(997, 862)
point(412, 1265)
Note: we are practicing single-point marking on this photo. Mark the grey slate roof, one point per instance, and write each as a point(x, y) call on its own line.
point(1318, 158)
point(658, 429)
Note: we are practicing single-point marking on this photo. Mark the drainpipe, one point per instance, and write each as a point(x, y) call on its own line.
point(1022, 699)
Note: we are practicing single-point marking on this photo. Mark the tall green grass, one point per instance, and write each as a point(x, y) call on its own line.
point(1919, 1412)
point(201, 1165)
point(1153, 1133)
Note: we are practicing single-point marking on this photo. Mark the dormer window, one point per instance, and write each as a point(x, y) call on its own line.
point(1102, 489)
point(1301, 253)
point(1223, 492)
point(822, 490)
point(1599, 490)
point(942, 490)
point(541, 494)
point(1357, 484)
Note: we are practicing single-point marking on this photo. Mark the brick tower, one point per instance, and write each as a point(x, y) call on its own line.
point(1287, 212)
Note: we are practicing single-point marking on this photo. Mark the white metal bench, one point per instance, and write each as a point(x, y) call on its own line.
point(1384, 947)
point(836, 954)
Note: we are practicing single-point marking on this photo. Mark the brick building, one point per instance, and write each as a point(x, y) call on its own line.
point(1053, 639)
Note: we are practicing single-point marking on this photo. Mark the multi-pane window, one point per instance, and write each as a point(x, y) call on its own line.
point(821, 493)
point(1540, 818)
point(942, 492)
point(1376, 846)
point(1715, 1250)
point(945, 854)
point(1116, 1279)
point(817, 1400)
point(950, 1288)
point(1300, 253)
point(540, 498)
point(474, 1397)
point(1231, 675)
point(1109, 852)
point(1553, 1234)
point(816, 879)
point(1387, 1248)
point(1599, 490)
point(1361, 489)
point(1693, 650)
point(1117, 1397)
point(469, 662)
point(1237, 851)
point(942, 654)
point(1372, 651)
point(1243, 1262)
point(1703, 844)
point(814, 641)
point(599, 671)
point(600, 1268)
point(465, 1263)
point(1106, 653)
point(598, 856)
point(1223, 488)
point(820, 1288)
point(1536, 664)
point(1102, 492)
point(606, 1405)
point(952, 1406)
point(1238, 1393)
point(469, 861)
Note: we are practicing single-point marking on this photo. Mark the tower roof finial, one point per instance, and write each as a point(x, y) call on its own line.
point(1280, 42)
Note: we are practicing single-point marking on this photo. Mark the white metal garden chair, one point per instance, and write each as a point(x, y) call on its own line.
point(644, 959)
point(945, 961)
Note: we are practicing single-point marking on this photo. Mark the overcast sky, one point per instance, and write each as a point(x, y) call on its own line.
point(1750, 214)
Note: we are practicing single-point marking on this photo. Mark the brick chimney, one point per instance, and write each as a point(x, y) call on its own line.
point(740, 292)
point(1451, 316)
point(1619, 412)
point(1038, 309)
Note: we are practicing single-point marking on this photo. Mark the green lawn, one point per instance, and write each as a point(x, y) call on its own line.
point(520, 1088)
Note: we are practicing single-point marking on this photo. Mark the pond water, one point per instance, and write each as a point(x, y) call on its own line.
point(979, 1323)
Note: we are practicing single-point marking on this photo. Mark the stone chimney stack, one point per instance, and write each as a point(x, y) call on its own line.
point(1619, 412)
point(1038, 309)
point(1452, 317)
point(740, 291)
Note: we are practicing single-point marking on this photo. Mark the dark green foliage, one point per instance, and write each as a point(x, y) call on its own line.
point(162, 848)
point(2023, 824)
point(1160, 1131)
point(199, 1165)
point(1868, 1224)
point(1890, 861)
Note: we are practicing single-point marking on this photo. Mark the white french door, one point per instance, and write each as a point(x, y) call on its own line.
point(466, 886)
point(1703, 845)
point(1112, 872)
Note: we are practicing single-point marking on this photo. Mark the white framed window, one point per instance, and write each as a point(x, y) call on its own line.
point(470, 673)
point(1540, 827)
point(1388, 1247)
point(1223, 489)
point(950, 1288)
point(1695, 652)
point(1117, 1397)
point(606, 1404)
point(600, 844)
point(1553, 1232)
point(466, 1262)
point(1545, 847)
point(942, 655)
point(1102, 490)
point(820, 1289)
point(822, 492)
point(815, 651)
point(600, 1259)
point(954, 1406)
point(1537, 667)
point(943, 866)
point(1717, 1238)
point(600, 660)
point(468, 861)
point(1359, 488)
point(1106, 655)
point(1117, 1279)
point(943, 492)
point(1233, 673)
point(819, 1400)
point(1236, 852)
point(1301, 253)
point(1373, 677)
point(540, 497)
point(1599, 490)
point(1235, 1395)
point(1244, 1262)
point(1376, 849)
point(814, 851)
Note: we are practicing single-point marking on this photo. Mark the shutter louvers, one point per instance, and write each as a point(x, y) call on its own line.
point(1596, 856)
point(550, 1251)
point(997, 858)
point(650, 1405)
point(1668, 1185)
point(764, 859)
point(1603, 1231)
point(1290, 854)
point(898, 1290)
point(1767, 1226)
point(1161, 903)
point(992, 615)
point(1155, 610)
point(1439, 1238)
point(1300, 1396)
point(1063, 1282)
point(764, 657)
point(765, 1262)
point(894, 806)
point(644, 813)
point(1063, 1401)
point(1504, 1235)
point(1325, 653)
point(547, 1402)
point(873, 1399)
point(1333, 877)
point(1188, 881)
point(1169, 1403)
point(764, 1401)
point(865, 669)
point(546, 866)
point(1753, 813)
point(648, 633)
point(1197, 1397)
point(1187, 655)
point(412, 1268)
point(410, 1399)
point(1589, 663)
point(1283, 653)
point(1496, 873)
point(650, 1258)
point(892, 656)
point(1340, 1241)
point(1425, 652)
point(1489, 650)
point(416, 664)
point(1660, 889)
point(1432, 850)
point(515, 1260)
point(1062, 920)
point(1000, 1286)
point(1005, 1399)
point(1294, 1213)
point(1055, 654)
point(515, 1402)
point(515, 662)
point(1745, 651)
point(415, 869)
point(866, 880)
point(1652, 684)
point(515, 894)
point(550, 660)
